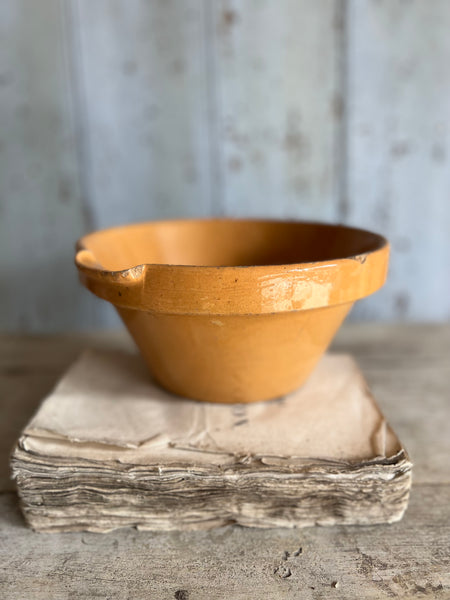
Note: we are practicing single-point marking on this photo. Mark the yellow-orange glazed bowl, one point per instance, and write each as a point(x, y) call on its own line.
point(228, 310)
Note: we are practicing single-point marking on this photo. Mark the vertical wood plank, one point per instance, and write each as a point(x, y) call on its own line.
point(279, 108)
point(41, 198)
point(398, 148)
point(114, 112)
point(144, 78)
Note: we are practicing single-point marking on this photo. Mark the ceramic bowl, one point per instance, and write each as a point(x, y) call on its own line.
point(229, 310)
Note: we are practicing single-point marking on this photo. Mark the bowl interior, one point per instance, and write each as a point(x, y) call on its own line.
point(226, 242)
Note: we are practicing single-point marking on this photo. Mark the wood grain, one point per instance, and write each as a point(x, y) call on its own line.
point(144, 74)
point(398, 136)
point(408, 370)
point(114, 112)
point(407, 367)
point(42, 204)
point(279, 108)
point(405, 560)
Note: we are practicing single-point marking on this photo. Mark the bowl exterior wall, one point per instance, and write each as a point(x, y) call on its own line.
point(233, 358)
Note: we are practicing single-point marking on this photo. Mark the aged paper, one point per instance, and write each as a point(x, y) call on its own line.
point(107, 423)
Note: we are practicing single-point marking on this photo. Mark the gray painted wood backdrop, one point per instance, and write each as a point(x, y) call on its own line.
point(114, 111)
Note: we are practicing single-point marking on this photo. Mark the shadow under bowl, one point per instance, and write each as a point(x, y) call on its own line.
point(228, 310)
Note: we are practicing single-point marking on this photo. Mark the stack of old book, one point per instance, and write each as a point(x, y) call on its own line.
point(109, 448)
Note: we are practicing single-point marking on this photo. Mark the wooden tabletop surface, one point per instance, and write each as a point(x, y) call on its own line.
point(408, 368)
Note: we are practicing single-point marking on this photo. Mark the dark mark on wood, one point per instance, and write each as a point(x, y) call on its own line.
point(129, 67)
point(438, 153)
point(420, 589)
point(368, 564)
point(64, 191)
point(178, 66)
point(401, 303)
point(400, 149)
point(235, 164)
point(295, 142)
point(229, 18)
point(382, 214)
point(283, 572)
point(337, 106)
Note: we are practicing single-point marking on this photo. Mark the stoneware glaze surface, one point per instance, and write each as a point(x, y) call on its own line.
point(229, 310)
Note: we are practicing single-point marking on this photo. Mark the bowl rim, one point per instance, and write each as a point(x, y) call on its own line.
point(236, 289)
point(381, 240)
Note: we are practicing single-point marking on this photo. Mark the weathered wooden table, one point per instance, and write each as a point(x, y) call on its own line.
point(408, 368)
